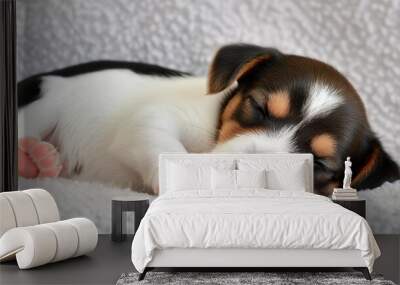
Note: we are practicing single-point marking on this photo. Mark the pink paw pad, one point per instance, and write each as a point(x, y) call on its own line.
point(38, 159)
point(26, 167)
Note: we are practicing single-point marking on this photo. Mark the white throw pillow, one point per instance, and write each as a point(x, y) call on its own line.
point(188, 177)
point(251, 178)
point(223, 179)
point(293, 180)
point(282, 174)
point(226, 179)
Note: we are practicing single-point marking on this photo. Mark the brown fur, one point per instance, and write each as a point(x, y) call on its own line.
point(328, 189)
point(278, 104)
point(231, 108)
point(247, 67)
point(367, 168)
point(324, 145)
point(215, 85)
point(228, 130)
point(231, 129)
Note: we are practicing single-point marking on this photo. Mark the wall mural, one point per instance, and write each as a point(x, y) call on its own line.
point(89, 120)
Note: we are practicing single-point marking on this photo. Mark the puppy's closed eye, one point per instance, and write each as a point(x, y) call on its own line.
point(257, 106)
point(252, 112)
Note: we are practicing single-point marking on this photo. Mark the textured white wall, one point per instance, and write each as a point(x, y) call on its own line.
point(361, 38)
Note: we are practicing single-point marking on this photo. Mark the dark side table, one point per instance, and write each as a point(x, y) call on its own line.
point(357, 206)
point(126, 204)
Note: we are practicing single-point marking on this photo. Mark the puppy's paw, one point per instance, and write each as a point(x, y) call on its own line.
point(38, 159)
point(26, 167)
point(47, 159)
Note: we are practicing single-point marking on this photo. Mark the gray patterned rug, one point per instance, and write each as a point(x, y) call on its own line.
point(269, 278)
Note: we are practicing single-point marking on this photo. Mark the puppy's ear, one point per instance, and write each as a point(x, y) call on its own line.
point(376, 168)
point(232, 62)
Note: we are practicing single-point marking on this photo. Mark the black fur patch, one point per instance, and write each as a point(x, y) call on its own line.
point(29, 88)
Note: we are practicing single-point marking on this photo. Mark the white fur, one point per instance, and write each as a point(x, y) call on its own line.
point(321, 101)
point(114, 123)
point(91, 200)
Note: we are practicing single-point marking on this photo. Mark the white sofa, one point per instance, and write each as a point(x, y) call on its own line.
point(31, 231)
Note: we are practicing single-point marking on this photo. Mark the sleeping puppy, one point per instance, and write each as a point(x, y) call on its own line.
point(110, 120)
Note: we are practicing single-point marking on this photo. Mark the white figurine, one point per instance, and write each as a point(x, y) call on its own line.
point(347, 174)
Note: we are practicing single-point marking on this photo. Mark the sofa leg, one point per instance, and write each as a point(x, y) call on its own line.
point(364, 271)
point(142, 275)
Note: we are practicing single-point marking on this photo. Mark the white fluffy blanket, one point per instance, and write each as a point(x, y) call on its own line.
point(82, 199)
point(93, 201)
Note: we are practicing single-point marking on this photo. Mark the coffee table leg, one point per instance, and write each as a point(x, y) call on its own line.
point(116, 226)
